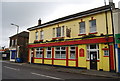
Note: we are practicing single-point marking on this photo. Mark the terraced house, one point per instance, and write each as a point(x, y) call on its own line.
point(83, 40)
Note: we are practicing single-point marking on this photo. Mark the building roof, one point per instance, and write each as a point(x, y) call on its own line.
point(22, 34)
point(73, 16)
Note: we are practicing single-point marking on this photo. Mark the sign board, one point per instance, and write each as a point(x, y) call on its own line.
point(81, 52)
point(117, 38)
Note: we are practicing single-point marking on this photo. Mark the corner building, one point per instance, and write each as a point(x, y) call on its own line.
point(83, 40)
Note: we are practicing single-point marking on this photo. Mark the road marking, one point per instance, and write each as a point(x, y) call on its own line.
point(45, 75)
point(11, 68)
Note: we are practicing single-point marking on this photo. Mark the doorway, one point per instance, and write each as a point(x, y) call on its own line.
point(93, 55)
point(93, 60)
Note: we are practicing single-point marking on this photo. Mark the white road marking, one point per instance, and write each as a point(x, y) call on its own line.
point(11, 68)
point(45, 75)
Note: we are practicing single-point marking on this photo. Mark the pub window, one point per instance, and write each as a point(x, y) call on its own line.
point(92, 26)
point(39, 52)
point(106, 53)
point(72, 52)
point(49, 52)
point(82, 27)
point(60, 52)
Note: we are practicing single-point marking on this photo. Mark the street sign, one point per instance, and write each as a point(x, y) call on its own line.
point(117, 38)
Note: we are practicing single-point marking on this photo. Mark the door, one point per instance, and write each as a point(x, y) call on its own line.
point(13, 54)
point(32, 56)
point(93, 60)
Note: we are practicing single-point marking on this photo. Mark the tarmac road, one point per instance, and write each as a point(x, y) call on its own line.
point(18, 71)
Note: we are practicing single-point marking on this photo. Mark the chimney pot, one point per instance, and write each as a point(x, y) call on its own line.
point(39, 21)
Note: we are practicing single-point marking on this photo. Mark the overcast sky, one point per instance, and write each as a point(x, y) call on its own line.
point(26, 13)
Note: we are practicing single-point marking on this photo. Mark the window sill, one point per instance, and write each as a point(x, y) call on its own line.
point(58, 38)
point(105, 49)
point(97, 60)
point(81, 34)
point(40, 40)
point(106, 56)
point(93, 33)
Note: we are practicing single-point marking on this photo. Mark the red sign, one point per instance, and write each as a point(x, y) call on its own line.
point(81, 52)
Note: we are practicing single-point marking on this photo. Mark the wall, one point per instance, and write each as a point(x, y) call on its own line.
point(74, 25)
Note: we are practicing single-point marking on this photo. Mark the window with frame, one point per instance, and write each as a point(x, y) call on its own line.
point(49, 52)
point(72, 52)
point(106, 53)
point(62, 31)
point(12, 42)
point(92, 47)
point(41, 35)
point(39, 52)
point(15, 41)
point(36, 35)
point(60, 52)
point(58, 32)
point(82, 27)
point(53, 32)
point(92, 26)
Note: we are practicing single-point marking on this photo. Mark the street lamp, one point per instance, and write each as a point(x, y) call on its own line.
point(17, 40)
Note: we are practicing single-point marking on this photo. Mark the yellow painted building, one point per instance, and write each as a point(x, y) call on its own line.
point(83, 40)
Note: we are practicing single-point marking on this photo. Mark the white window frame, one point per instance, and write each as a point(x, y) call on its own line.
point(93, 28)
point(16, 42)
point(62, 31)
point(39, 52)
point(58, 31)
point(105, 52)
point(41, 35)
point(89, 50)
point(47, 50)
point(53, 32)
point(12, 42)
point(81, 28)
point(71, 50)
point(36, 35)
point(60, 50)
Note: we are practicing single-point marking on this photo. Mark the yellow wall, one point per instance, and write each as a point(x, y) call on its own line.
point(47, 61)
point(72, 63)
point(37, 60)
point(74, 25)
point(82, 60)
point(60, 62)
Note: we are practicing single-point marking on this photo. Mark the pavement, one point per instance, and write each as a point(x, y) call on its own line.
point(72, 70)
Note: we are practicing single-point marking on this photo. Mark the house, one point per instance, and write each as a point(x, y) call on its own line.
point(83, 40)
point(18, 46)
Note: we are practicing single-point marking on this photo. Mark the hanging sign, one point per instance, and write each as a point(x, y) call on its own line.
point(81, 52)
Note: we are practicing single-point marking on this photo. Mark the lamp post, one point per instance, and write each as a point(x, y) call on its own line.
point(17, 40)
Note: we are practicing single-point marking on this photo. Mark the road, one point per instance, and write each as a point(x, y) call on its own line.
point(18, 71)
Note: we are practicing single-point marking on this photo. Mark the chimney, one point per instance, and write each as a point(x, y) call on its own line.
point(112, 4)
point(39, 21)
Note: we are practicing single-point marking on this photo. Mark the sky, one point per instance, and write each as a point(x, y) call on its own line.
point(26, 13)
